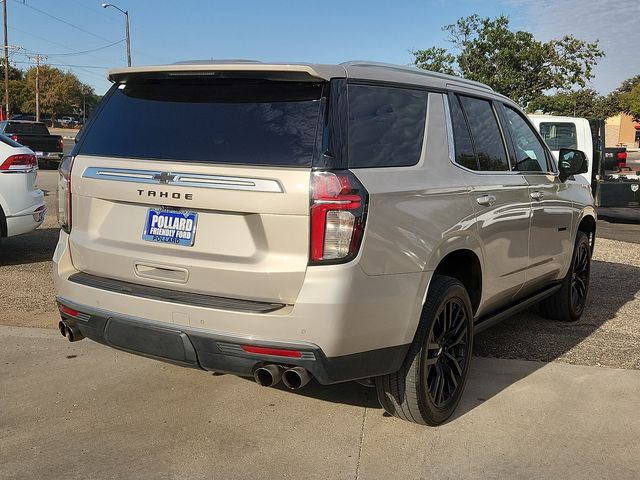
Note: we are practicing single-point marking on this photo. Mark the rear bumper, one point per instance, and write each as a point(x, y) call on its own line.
point(356, 325)
point(195, 348)
point(26, 222)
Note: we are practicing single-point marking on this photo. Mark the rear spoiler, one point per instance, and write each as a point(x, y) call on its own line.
point(292, 72)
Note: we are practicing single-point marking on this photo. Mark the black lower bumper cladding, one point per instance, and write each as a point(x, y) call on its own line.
point(195, 348)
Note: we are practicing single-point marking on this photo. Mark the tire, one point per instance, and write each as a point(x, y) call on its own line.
point(428, 387)
point(568, 303)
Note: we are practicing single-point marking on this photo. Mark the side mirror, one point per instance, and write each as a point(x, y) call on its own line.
point(571, 162)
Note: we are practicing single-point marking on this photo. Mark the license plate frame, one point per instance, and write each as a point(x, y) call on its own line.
point(170, 230)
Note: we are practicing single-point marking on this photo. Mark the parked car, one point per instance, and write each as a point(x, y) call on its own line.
point(338, 222)
point(22, 206)
point(35, 135)
point(69, 122)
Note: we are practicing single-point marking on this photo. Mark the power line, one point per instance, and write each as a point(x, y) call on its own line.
point(52, 42)
point(85, 51)
point(63, 21)
point(67, 65)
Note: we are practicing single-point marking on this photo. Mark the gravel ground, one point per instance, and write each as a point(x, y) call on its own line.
point(608, 333)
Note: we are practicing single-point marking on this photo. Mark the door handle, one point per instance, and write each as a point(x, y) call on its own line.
point(537, 195)
point(486, 200)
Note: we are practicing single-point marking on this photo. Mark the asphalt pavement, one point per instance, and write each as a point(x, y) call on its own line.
point(84, 411)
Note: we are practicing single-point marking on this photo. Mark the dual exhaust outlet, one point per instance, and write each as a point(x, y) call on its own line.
point(71, 332)
point(266, 376)
point(293, 378)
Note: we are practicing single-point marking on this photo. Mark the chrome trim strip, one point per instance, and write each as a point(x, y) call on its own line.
point(197, 180)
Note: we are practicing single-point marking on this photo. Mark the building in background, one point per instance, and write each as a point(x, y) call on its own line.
point(621, 130)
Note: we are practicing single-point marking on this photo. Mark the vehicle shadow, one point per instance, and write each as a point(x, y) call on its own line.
point(528, 336)
point(37, 246)
point(347, 393)
point(525, 336)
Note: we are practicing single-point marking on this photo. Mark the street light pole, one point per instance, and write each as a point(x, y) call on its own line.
point(6, 60)
point(126, 28)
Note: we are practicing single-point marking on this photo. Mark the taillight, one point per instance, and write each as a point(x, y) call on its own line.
point(20, 162)
point(338, 214)
point(15, 138)
point(64, 194)
point(622, 159)
point(60, 143)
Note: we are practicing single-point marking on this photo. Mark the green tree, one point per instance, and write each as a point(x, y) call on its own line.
point(628, 97)
point(16, 80)
point(60, 92)
point(581, 103)
point(513, 63)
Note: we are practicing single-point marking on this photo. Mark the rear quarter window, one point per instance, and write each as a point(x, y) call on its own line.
point(386, 125)
point(559, 135)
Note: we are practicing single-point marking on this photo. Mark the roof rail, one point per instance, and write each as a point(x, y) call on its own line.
point(415, 71)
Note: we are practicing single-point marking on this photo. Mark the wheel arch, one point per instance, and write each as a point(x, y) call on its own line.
point(464, 265)
point(588, 226)
point(4, 230)
point(460, 257)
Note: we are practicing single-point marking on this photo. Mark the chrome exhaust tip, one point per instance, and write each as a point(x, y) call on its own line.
point(296, 377)
point(268, 376)
point(63, 328)
point(72, 333)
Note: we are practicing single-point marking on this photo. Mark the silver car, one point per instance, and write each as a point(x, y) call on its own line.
point(296, 221)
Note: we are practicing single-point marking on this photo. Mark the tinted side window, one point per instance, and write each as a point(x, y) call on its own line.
point(463, 145)
point(386, 126)
point(530, 154)
point(486, 134)
point(559, 135)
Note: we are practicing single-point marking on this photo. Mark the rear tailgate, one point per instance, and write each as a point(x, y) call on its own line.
point(40, 143)
point(232, 160)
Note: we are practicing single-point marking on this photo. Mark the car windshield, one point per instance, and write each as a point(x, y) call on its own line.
point(234, 121)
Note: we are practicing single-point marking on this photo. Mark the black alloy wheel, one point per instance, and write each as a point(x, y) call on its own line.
point(446, 352)
point(568, 303)
point(428, 387)
point(580, 277)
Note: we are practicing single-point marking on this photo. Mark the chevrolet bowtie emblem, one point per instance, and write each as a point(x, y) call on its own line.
point(164, 177)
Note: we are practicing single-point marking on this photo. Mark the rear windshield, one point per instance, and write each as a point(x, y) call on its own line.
point(26, 128)
point(258, 122)
point(559, 135)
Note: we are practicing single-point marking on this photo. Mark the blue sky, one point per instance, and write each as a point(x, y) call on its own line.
point(326, 32)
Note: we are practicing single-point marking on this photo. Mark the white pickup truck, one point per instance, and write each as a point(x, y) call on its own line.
point(615, 187)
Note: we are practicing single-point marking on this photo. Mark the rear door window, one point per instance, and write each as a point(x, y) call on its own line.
point(386, 125)
point(463, 145)
point(204, 119)
point(485, 133)
point(559, 135)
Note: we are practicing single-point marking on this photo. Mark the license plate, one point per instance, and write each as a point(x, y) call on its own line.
point(39, 154)
point(169, 226)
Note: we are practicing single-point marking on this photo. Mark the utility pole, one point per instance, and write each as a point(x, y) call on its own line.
point(6, 59)
point(38, 58)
